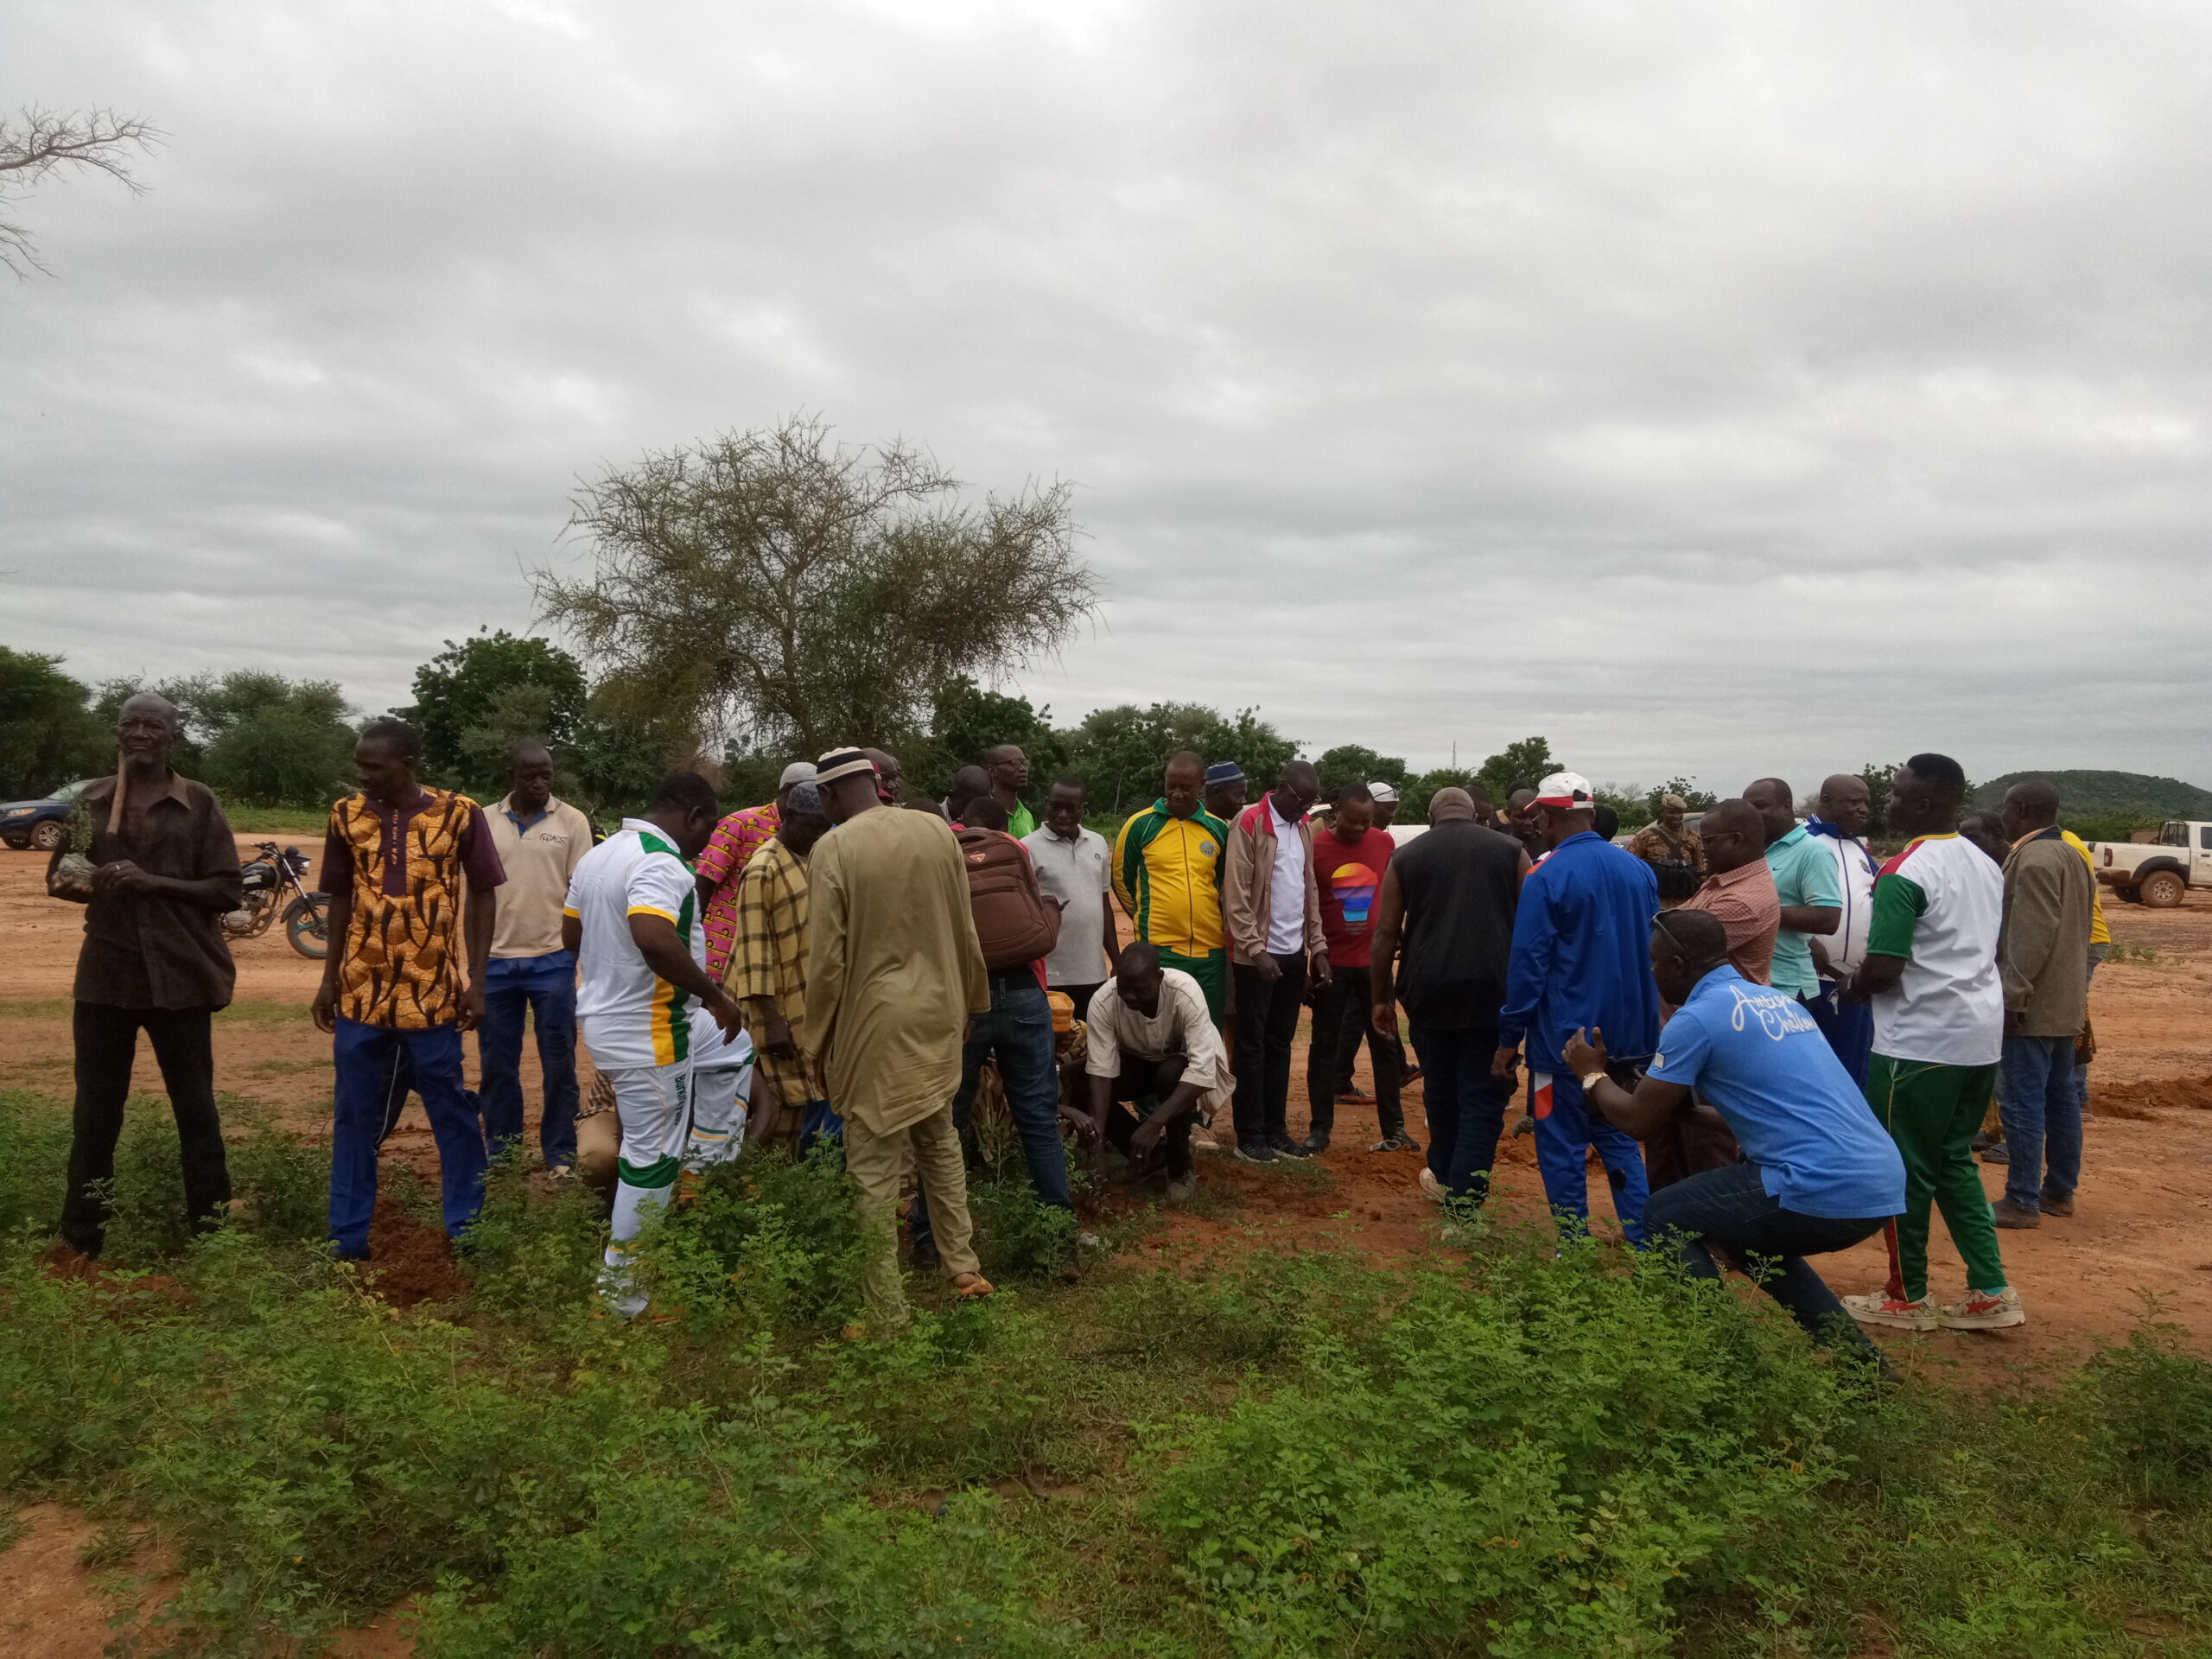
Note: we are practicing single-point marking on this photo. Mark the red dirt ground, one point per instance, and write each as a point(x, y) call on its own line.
point(2141, 1231)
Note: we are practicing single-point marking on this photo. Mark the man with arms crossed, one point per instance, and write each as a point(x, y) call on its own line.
point(1939, 1033)
point(1804, 881)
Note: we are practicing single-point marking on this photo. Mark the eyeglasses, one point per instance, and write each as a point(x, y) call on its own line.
point(1659, 923)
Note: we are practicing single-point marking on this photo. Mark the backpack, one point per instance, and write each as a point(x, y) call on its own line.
point(1014, 924)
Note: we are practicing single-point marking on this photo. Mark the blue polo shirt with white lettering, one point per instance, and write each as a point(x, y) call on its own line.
point(1757, 1056)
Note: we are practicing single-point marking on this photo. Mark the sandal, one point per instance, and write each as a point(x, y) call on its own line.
point(971, 1286)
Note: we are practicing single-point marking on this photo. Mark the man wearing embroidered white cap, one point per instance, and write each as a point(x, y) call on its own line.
point(1581, 957)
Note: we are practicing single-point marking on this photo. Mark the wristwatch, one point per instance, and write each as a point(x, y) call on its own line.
point(1591, 1079)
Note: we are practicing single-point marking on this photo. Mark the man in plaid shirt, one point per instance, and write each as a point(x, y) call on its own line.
point(767, 967)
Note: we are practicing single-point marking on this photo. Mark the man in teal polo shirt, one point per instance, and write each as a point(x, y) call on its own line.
point(1804, 879)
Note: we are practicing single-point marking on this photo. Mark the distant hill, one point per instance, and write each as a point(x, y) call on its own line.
point(2110, 794)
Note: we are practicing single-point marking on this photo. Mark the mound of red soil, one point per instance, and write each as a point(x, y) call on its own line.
point(409, 1261)
point(2150, 1096)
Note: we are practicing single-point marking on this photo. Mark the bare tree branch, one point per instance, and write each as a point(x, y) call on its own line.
point(36, 141)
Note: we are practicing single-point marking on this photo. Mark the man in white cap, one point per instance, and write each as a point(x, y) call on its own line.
point(1385, 796)
point(729, 850)
point(1581, 958)
point(893, 969)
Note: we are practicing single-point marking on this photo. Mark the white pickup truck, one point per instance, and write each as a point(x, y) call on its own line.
point(2157, 873)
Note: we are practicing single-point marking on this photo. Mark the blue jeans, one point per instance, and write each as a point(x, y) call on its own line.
point(1564, 1137)
point(1849, 1027)
point(1466, 1106)
point(1017, 1030)
point(818, 1122)
point(545, 987)
point(2042, 1114)
point(376, 1068)
point(1732, 1207)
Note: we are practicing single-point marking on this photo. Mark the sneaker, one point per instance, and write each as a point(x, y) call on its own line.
point(1400, 1142)
point(1313, 1147)
point(2055, 1205)
point(1180, 1189)
point(1256, 1152)
point(1432, 1188)
point(1878, 1308)
point(2005, 1213)
point(1984, 1309)
point(1287, 1147)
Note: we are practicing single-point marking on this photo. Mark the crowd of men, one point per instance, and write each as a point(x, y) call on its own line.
point(1775, 1044)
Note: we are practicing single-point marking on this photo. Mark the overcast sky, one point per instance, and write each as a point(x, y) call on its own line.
point(1713, 388)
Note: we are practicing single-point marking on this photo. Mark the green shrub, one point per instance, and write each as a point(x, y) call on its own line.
point(533, 1250)
point(1017, 1237)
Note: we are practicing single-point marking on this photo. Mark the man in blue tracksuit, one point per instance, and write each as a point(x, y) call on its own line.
point(1581, 957)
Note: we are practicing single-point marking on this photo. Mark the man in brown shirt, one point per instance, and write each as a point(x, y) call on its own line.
point(1740, 895)
point(154, 960)
point(1739, 889)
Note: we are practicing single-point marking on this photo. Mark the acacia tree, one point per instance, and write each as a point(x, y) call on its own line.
point(36, 142)
point(793, 592)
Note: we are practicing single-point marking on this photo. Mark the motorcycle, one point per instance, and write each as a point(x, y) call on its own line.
point(267, 878)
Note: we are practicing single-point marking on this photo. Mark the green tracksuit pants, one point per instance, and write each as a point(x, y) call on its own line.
point(1932, 1112)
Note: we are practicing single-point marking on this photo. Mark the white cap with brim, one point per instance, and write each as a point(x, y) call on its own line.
point(799, 771)
point(1567, 790)
point(1382, 792)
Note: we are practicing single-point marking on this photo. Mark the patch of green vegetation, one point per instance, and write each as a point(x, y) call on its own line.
point(267, 1012)
point(36, 1007)
point(2141, 955)
point(1278, 1453)
point(277, 821)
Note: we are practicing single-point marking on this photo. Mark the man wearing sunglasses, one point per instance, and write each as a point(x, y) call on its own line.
point(1819, 1174)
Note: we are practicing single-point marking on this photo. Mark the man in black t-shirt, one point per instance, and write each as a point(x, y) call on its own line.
point(1443, 933)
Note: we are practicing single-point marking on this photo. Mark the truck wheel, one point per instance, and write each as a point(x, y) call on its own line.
point(2163, 889)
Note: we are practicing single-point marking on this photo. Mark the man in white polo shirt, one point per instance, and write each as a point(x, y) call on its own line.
point(1074, 865)
point(1932, 973)
point(632, 917)
point(540, 840)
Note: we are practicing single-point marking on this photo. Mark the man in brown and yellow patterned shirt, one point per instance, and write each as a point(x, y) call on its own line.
point(767, 970)
point(410, 873)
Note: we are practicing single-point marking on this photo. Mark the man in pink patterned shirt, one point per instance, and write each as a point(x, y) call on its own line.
point(736, 838)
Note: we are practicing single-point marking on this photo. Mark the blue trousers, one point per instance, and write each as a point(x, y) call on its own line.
point(1017, 1030)
point(818, 1122)
point(1564, 1137)
point(1732, 1207)
point(376, 1068)
point(545, 987)
point(2041, 1108)
point(1849, 1027)
point(1466, 1106)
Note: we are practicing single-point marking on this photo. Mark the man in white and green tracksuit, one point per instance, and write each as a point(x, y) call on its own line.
point(652, 1017)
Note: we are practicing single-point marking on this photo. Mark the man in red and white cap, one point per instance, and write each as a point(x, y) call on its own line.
point(1581, 958)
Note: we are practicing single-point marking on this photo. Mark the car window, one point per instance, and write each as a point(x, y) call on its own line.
point(71, 792)
point(2174, 835)
point(2204, 836)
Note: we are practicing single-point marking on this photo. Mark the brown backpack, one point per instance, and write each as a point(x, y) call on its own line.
point(1014, 924)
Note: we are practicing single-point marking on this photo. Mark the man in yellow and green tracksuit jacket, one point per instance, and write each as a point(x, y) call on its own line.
point(1167, 875)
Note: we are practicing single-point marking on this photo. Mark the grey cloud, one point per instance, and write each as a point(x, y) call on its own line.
point(1714, 390)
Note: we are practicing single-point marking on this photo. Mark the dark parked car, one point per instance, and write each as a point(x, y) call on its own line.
point(39, 825)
